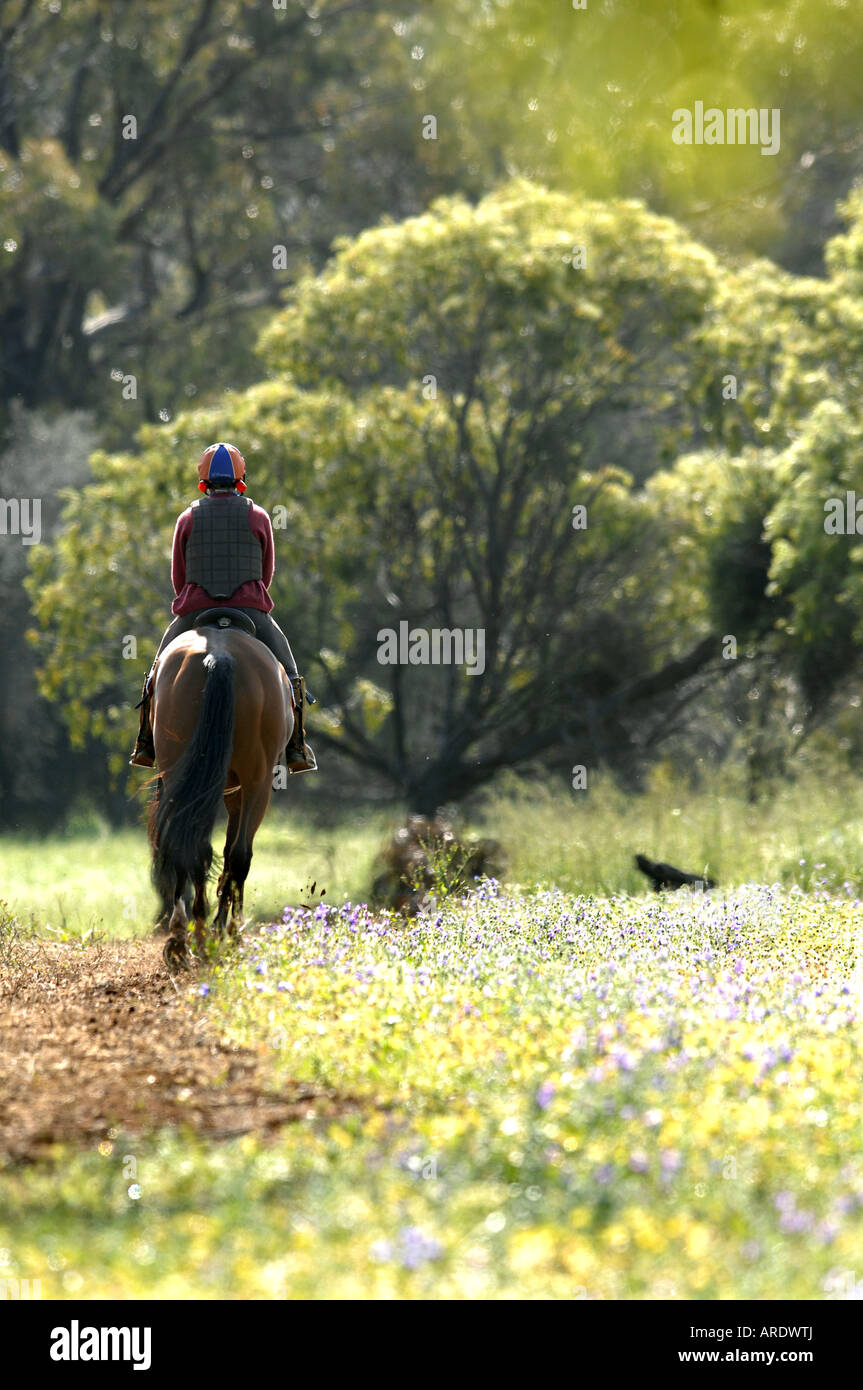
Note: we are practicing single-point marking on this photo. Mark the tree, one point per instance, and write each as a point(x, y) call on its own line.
point(164, 173)
point(778, 549)
point(439, 403)
point(581, 99)
point(38, 778)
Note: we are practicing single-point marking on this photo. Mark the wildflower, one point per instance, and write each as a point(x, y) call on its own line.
point(417, 1248)
point(544, 1095)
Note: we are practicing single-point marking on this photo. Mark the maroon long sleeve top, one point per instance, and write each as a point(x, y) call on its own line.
point(253, 594)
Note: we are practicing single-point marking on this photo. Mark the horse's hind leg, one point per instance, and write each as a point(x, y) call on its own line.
point(240, 857)
point(234, 806)
point(176, 948)
point(199, 914)
point(160, 925)
point(242, 827)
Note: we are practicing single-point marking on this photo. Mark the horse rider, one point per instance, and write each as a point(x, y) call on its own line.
point(224, 556)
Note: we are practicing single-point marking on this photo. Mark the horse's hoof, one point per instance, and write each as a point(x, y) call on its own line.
point(175, 953)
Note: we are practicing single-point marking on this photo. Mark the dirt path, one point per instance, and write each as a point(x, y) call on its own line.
point(99, 1037)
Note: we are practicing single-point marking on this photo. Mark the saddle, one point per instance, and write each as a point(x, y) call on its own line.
point(232, 617)
point(225, 617)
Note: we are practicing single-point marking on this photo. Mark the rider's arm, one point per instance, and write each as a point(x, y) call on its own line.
point(178, 550)
point(263, 528)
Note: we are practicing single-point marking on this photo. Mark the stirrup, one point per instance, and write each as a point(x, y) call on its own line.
point(305, 760)
point(143, 757)
point(141, 760)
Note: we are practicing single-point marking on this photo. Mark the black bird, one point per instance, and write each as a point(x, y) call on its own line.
point(666, 876)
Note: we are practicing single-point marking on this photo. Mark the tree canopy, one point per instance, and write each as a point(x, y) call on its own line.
point(436, 405)
point(503, 357)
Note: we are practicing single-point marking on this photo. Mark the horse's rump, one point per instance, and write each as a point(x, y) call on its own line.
point(262, 699)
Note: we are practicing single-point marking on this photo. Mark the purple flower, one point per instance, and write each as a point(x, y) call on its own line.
point(417, 1248)
point(544, 1095)
point(622, 1058)
point(793, 1222)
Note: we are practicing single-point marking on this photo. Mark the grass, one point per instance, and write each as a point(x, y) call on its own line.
point(564, 1091)
point(99, 881)
point(561, 1097)
point(809, 834)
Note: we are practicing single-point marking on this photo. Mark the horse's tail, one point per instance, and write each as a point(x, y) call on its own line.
point(184, 815)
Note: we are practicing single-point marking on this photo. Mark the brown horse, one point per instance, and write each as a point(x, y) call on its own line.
point(222, 714)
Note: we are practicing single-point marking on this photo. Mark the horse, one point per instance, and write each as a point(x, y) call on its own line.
point(222, 716)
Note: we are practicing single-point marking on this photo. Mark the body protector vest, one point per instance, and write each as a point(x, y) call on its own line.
point(222, 551)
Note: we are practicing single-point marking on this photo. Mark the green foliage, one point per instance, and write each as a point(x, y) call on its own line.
point(717, 560)
point(260, 128)
point(790, 440)
point(440, 401)
point(583, 100)
point(44, 452)
point(437, 402)
point(152, 249)
point(820, 574)
point(54, 223)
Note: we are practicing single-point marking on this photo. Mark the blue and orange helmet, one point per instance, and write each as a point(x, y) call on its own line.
point(222, 465)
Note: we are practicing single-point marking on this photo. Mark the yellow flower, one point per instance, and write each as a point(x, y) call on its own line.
point(445, 1128)
point(697, 1241)
point(646, 1231)
point(529, 1249)
point(616, 1237)
point(579, 1258)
